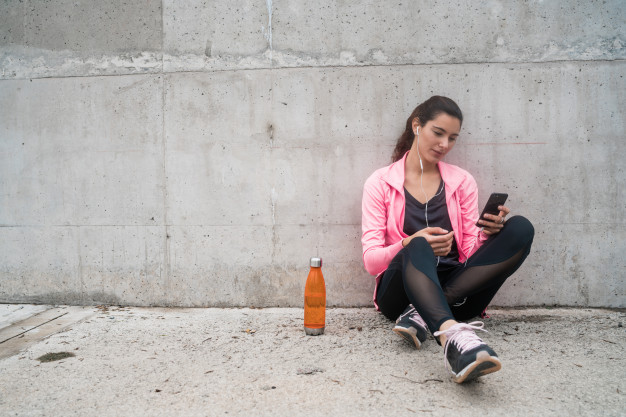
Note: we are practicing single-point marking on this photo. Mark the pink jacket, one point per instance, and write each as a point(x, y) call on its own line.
point(383, 214)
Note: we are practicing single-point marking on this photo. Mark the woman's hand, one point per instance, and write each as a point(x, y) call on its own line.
point(439, 239)
point(494, 223)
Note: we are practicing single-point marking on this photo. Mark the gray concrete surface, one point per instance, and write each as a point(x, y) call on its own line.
point(156, 361)
point(197, 153)
point(206, 212)
point(67, 38)
point(38, 325)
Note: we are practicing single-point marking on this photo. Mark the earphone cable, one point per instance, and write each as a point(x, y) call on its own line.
point(417, 134)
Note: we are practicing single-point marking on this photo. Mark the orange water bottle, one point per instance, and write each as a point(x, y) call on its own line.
point(315, 300)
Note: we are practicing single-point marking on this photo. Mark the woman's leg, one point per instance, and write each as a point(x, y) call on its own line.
point(472, 288)
point(412, 278)
point(391, 297)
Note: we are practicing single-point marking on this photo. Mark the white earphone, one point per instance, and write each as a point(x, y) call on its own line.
point(417, 135)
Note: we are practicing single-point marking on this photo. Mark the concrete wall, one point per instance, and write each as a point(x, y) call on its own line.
point(197, 153)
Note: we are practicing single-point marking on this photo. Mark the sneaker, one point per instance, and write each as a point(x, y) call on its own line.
point(466, 355)
point(412, 327)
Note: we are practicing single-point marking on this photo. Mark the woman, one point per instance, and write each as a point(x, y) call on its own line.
point(434, 267)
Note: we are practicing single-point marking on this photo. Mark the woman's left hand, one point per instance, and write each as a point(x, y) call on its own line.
point(494, 223)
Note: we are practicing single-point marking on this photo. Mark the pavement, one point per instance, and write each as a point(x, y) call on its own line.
point(258, 362)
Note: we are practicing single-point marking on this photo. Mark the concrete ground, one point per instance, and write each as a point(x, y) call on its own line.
point(242, 362)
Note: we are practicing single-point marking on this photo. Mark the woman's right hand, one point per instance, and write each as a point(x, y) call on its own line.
point(439, 239)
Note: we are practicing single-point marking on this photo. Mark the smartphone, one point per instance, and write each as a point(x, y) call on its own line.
point(495, 200)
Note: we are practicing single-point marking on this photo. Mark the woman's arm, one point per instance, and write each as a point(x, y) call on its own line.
point(376, 256)
point(472, 238)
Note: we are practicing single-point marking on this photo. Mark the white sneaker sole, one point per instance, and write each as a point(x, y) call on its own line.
point(483, 365)
point(409, 335)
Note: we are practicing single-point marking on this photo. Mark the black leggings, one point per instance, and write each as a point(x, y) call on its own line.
point(459, 293)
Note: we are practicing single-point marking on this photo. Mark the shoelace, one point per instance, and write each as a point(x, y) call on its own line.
point(415, 316)
point(463, 336)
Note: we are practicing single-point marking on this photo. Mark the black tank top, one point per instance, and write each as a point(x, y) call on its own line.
point(415, 219)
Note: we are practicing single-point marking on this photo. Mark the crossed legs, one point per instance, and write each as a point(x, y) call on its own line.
point(460, 294)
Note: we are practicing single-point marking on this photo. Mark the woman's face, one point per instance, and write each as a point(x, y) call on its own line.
point(437, 137)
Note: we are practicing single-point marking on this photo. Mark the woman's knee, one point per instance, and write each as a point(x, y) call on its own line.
point(521, 229)
point(418, 244)
point(419, 248)
point(421, 254)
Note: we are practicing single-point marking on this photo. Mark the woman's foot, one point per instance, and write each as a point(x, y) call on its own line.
point(411, 327)
point(467, 356)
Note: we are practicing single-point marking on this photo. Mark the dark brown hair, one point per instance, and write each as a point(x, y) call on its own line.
point(425, 112)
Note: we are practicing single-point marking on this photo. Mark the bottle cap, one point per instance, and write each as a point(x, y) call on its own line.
point(316, 262)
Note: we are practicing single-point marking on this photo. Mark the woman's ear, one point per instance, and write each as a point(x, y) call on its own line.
point(416, 126)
